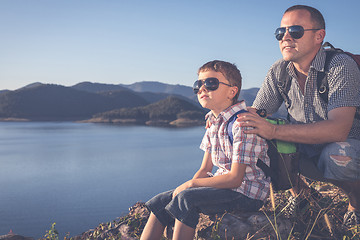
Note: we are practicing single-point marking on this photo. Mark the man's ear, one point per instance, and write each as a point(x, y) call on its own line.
point(320, 35)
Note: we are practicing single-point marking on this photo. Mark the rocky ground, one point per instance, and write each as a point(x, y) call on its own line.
point(319, 218)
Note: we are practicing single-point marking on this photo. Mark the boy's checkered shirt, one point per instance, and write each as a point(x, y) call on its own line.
point(246, 149)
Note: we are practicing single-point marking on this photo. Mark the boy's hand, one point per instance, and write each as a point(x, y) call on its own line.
point(182, 187)
point(259, 125)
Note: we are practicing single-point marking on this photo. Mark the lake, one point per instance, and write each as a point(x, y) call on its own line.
point(81, 174)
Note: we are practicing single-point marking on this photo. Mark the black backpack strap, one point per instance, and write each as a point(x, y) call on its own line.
point(260, 164)
point(322, 81)
point(265, 168)
point(284, 83)
point(230, 123)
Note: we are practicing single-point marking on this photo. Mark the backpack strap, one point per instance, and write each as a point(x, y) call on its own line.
point(284, 83)
point(230, 123)
point(322, 81)
point(260, 164)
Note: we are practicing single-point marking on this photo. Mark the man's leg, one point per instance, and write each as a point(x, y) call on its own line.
point(352, 190)
point(340, 163)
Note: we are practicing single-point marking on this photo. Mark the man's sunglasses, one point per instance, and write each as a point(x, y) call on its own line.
point(296, 32)
point(211, 84)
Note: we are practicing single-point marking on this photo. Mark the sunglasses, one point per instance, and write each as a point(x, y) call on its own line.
point(211, 84)
point(296, 32)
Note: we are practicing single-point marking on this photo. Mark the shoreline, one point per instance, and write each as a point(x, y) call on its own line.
point(181, 122)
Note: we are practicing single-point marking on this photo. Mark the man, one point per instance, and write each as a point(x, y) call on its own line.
point(327, 133)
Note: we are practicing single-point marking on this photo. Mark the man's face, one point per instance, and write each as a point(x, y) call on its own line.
point(304, 49)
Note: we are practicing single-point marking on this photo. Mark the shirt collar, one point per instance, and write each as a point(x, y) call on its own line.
point(227, 113)
point(318, 63)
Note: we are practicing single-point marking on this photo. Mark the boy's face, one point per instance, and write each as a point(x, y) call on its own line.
point(219, 99)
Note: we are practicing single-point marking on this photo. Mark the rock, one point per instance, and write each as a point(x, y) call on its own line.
point(242, 225)
point(128, 227)
point(12, 236)
point(227, 226)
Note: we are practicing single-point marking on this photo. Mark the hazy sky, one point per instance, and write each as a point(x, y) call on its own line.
point(116, 41)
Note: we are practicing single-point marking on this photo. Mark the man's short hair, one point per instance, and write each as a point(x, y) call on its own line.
point(229, 70)
point(315, 14)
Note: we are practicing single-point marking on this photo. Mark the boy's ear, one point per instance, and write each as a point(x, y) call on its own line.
point(234, 90)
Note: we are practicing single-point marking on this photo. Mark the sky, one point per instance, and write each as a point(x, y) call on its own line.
point(126, 41)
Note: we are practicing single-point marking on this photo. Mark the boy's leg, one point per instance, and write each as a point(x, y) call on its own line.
point(188, 204)
point(153, 229)
point(157, 206)
point(182, 231)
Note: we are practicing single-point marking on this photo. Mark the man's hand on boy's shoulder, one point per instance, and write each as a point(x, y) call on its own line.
point(250, 109)
point(259, 125)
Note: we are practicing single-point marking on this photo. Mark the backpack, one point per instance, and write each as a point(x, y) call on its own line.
point(283, 156)
point(322, 83)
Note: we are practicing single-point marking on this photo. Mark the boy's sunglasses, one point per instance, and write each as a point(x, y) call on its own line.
point(211, 84)
point(296, 32)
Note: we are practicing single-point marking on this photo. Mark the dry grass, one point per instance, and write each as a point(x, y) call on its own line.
point(319, 218)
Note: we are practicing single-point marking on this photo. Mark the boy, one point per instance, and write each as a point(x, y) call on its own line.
point(237, 184)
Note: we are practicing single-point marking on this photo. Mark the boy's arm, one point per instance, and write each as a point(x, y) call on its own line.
point(233, 179)
point(205, 168)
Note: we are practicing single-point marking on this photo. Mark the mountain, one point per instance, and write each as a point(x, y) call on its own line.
point(98, 87)
point(146, 100)
point(150, 91)
point(159, 113)
point(157, 87)
point(156, 91)
point(54, 102)
point(32, 85)
point(152, 87)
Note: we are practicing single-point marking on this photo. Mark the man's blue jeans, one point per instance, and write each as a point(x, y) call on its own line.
point(322, 164)
point(188, 204)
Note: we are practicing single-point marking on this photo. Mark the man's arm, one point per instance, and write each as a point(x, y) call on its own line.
point(335, 129)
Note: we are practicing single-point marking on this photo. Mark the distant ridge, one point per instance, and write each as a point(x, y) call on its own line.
point(47, 102)
point(157, 87)
point(50, 102)
point(32, 85)
point(98, 87)
point(163, 112)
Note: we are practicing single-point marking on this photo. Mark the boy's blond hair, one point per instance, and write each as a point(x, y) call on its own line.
point(229, 70)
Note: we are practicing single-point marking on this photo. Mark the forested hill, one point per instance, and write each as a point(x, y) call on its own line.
point(143, 101)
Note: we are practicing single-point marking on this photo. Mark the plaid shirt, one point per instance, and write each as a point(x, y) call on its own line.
point(344, 91)
point(246, 149)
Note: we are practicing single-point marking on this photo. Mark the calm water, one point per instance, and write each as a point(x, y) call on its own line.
point(80, 175)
